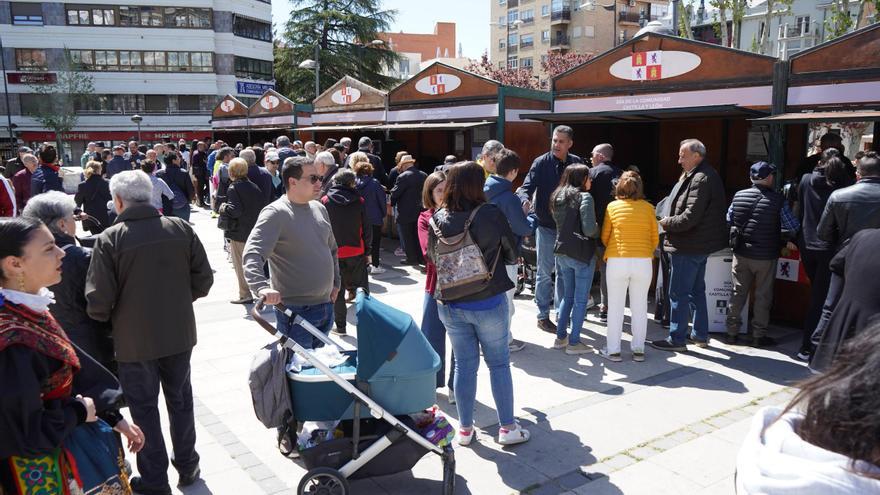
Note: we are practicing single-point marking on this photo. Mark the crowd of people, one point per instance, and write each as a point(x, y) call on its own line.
point(303, 227)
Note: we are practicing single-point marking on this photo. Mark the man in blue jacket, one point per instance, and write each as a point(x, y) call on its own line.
point(499, 192)
point(118, 163)
point(542, 179)
point(46, 176)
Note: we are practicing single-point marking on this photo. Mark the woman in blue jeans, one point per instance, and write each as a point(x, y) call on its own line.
point(478, 320)
point(573, 277)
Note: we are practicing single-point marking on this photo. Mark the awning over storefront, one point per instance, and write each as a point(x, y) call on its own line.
point(655, 115)
point(806, 117)
point(340, 128)
point(430, 126)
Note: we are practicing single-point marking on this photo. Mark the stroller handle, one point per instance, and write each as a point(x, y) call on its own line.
point(297, 320)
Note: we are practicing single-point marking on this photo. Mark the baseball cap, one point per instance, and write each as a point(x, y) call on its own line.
point(760, 170)
point(272, 156)
point(25, 149)
point(119, 147)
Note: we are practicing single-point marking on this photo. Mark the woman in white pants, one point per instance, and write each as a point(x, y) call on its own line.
point(630, 235)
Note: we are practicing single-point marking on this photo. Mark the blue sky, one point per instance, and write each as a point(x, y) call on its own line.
point(418, 16)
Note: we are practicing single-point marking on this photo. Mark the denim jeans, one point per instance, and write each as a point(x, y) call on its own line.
point(574, 279)
point(511, 294)
point(687, 292)
point(545, 241)
point(319, 315)
point(469, 331)
point(435, 332)
point(182, 212)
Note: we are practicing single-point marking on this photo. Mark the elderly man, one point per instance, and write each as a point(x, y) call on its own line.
point(695, 228)
point(298, 148)
point(118, 164)
point(541, 181)
point(87, 155)
point(326, 166)
point(487, 157)
point(273, 166)
point(603, 175)
point(284, 149)
point(311, 149)
point(146, 271)
point(258, 175)
point(21, 181)
point(294, 235)
point(199, 170)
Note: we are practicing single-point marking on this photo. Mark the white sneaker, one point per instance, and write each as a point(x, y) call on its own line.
point(399, 253)
point(377, 270)
point(450, 395)
point(516, 345)
point(465, 437)
point(514, 436)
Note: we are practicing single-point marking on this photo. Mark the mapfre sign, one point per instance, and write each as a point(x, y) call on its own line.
point(655, 65)
point(438, 84)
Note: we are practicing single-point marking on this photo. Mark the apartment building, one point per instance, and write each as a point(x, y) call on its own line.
point(523, 32)
point(168, 62)
point(417, 48)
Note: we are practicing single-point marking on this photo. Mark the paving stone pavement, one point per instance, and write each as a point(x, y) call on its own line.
point(669, 425)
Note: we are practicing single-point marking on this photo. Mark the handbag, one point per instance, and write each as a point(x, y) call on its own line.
point(735, 237)
point(461, 268)
point(571, 242)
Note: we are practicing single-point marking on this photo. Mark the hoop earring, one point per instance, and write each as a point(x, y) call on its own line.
point(21, 283)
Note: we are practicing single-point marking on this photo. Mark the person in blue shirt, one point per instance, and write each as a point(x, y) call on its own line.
point(541, 181)
point(499, 192)
point(46, 177)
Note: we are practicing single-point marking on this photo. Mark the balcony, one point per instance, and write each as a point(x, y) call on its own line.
point(560, 43)
point(788, 31)
point(527, 21)
point(560, 16)
point(512, 49)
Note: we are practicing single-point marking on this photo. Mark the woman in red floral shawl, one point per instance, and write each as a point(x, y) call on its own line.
point(39, 416)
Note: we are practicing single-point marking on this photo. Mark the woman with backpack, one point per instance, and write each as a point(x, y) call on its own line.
point(573, 211)
point(470, 242)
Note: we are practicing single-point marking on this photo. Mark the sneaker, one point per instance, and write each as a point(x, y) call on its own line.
point(804, 355)
point(450, 396)
point(697, 342)
point(465, 437)
point(137, 485)
point(560, 343)
point(516, 345)
point(614, 358)
point(187, 479)
point(664, 345)
point(339, 331)
point(400, 253)
point(764, 341)
point(591, 303)
point(639, 356)
point(603, 316)
point(730, 339)
point(514, 436)
point(546, 325)
point(575, 349)
point(377, 270)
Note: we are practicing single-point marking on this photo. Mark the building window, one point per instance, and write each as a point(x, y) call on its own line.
point(33, 104)
point(30, 59)
point(502, 21)
point(513, 15)
point(528, 15)
point(803, 25)
point(135, 16)
point(403, 68)
point(501, 64)
point(588, 6)
point(253, 68)
point(27, 14)
point(545, 11)
point(156, 103)
point(659, 11)
point(526, 40)
point(502, 2)
point(91, 16)
point(512, 40)
point(526, 62)
point(501, 44)
point(545, 36)
point(576, 32)
point(249, 28)
point(511, 62)
point(589, 31)
point(143, 61)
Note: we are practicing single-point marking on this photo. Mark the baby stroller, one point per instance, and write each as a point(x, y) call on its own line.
point(391, 375)
point(527, 265)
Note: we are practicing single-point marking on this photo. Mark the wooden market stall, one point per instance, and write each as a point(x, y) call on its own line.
point(271, 115)
point(227, 118)
point(443, 111)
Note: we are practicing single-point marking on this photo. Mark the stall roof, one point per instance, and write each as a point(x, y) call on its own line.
point(429, 126)
point(341, 128)
point(645, 115)
point(851, 55)
point(272, 103)
point(349, 94)
point(229, 107)
point(805, 117)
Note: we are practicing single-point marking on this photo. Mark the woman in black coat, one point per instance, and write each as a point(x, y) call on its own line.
point(92, 196)
point(859, 303)
point(244, 201)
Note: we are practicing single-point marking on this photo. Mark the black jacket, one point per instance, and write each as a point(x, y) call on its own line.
point(541, 181)
point(348, 217)
point(407, 195)
point(263, 179)
point(93, 195)
point(697, 223)
point(756, 211)
point(177, 178)
point(115, 165)
point(850, 210)
point(813, 194)
point(604, 178)
point(811, 162)
point(244, 202)
point(491, 232)
point(92, 336)
point(12, 167)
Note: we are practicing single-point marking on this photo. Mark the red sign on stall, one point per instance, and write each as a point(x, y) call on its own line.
point(28, 136)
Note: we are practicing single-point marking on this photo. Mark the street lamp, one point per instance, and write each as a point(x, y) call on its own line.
point(137, 119)
point(314, 64)
point(590, 4)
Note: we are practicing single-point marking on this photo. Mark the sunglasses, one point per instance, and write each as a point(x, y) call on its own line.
point(314, 179)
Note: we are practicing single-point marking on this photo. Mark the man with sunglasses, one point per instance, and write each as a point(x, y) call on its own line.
point(290, 233)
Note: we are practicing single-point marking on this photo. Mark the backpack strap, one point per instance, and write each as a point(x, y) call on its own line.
point(457, 237)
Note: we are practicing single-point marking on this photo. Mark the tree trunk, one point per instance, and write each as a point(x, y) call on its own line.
point(685, 18)
point(765, 34)
point(861, 16)
point(722, 17)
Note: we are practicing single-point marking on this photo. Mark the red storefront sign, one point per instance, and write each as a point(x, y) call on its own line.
point(116, 135)
point(31, 77)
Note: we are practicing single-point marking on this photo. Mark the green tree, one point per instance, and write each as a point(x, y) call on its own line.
point(839, 22)
point(343, 31)
point(775, 8)
point(58, 102)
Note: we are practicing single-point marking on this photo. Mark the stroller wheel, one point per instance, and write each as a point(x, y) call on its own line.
point(323, 481)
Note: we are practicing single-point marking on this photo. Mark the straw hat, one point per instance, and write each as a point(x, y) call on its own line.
point(406, 160)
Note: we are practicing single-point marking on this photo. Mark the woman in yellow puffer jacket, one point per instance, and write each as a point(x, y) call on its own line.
point(630, 235)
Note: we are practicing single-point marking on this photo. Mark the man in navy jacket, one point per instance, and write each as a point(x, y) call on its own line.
point(46, 177)
point(542, 179)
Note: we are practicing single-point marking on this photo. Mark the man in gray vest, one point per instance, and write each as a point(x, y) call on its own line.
point(761, 218)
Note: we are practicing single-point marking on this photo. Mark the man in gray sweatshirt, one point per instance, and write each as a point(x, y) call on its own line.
point(294, 234)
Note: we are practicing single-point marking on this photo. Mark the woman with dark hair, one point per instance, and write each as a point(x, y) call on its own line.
point(47, 400)
point(260, 154)
point(478, 320)
point(573, 276)
point(825, 442)
point(813, 193)
point(92, 195)
point(180, 184)
point(374, 201)
point(432, 327)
